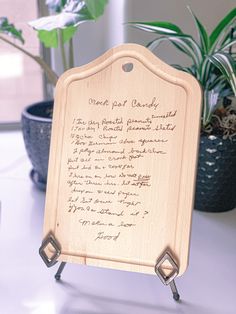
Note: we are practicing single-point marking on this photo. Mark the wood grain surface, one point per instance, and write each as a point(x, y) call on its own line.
point(123, 161)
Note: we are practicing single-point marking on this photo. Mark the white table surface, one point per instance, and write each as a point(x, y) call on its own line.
point(27, 286)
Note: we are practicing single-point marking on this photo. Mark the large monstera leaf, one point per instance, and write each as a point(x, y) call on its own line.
point(72, 13)
point(96, 7)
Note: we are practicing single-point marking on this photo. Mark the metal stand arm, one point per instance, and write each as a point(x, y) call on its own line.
point(168, 279)
point(174, 290)
point(60, 270)
point(51, 245)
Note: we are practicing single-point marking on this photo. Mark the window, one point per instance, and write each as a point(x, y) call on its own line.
point(21, 81)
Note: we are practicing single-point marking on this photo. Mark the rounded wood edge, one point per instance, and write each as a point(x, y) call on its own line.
point(142, 54)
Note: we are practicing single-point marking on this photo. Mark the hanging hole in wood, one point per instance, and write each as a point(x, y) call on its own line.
point(127, 67)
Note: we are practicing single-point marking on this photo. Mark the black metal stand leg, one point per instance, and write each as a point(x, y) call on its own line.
point(174, 290)
point(60, 270)
point(168, 279)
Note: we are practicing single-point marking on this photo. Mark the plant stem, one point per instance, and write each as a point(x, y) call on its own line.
point(51, 75)
point(71, 54)
point(62, 48)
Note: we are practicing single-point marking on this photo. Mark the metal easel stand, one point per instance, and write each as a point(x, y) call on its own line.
point(50, 241)
point(168, 279)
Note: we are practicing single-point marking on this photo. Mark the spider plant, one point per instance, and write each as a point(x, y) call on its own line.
point(55, 30)
point(212, 63)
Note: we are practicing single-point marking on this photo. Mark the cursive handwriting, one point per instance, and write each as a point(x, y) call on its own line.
point(106, 180)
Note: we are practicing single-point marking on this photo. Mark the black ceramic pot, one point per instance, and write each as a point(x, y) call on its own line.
point(216, 177)
point(36, 127)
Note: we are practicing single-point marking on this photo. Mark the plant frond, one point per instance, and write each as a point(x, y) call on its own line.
point(226, 64)
point(223, 25)
point(202, 34)
point(162, 27)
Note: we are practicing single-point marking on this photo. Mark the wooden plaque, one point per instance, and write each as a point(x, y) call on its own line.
point(123, 160)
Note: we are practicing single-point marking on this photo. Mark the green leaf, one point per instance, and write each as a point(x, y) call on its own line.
point(73, 14)
point(96, 7)
point(59, 21)
point(229, 45)
point(50, 38)
point(172, 32)
point(203, 36)
point(215, 80)
point(10, 30)
point(162, 28)
point(184, 43)
point(224, 38)
point(230, 34)
point(68, 33)
point(205, 71)
point(222, 26)
point(226, 64)
point(188, 45)
point(212, 66)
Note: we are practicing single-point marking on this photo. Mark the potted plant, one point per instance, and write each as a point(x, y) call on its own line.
point(54, 31)
point(213, 65)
